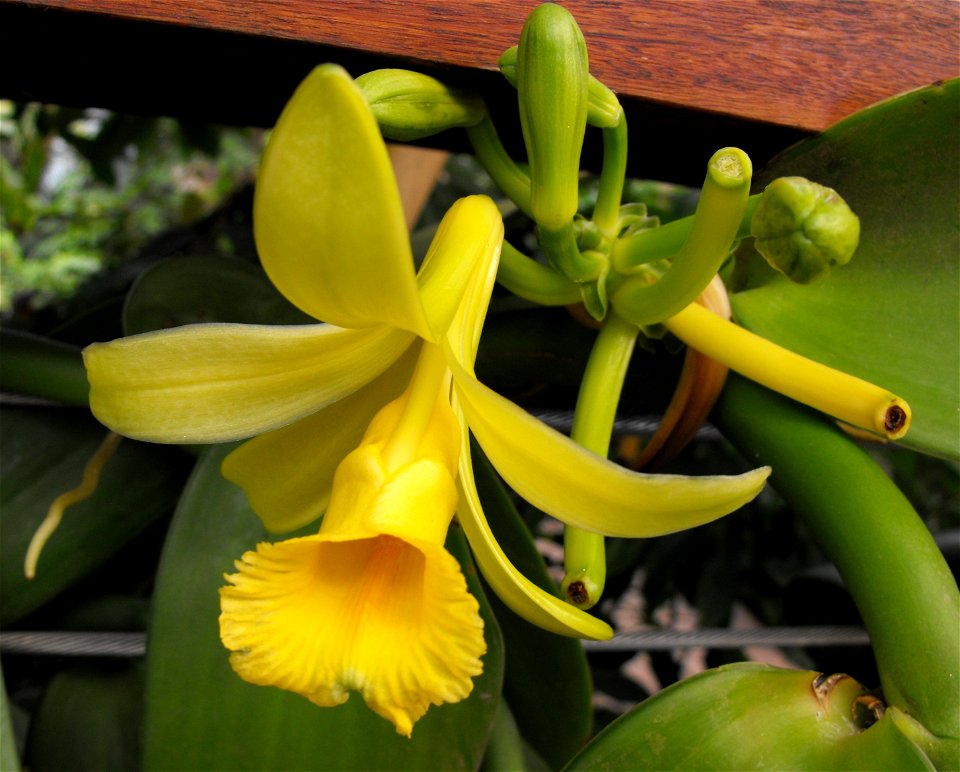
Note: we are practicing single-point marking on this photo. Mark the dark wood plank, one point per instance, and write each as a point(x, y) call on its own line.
point(693, 75)
point(798, 63)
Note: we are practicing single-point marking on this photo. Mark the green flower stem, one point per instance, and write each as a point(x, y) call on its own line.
point(606, 213)
point(716, 222)
point(510, 178)
point(652, 244)
point(584, 560)
point(534, 281)
point(900, 581)
point(43, 368)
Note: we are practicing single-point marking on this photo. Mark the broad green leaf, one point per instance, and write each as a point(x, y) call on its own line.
point(200, 715)
point(9, 759)
point(89, 719)
point(547, 680)
point(751, 716)
point(327, 215)
point(42, 454)
point(892, 315)
point(204, 289)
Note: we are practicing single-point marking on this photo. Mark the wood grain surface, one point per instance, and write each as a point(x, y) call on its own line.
point(780, 68)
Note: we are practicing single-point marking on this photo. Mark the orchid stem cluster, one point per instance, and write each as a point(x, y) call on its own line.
point(361, 422)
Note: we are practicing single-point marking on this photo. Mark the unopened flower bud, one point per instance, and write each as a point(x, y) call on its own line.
point(803, 229)
point(552, 73)
point(410, 105)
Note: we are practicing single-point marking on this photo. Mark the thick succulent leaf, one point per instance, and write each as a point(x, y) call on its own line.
point(42, 454)
point(201, 715)
point(214, 382)
point(892, 315)
point(751, 716)
point(328, 221)
point(287, 474)
point(525, 598)
point(547, 681)
point(89, 719)
point(202, 289)
point(578, 487)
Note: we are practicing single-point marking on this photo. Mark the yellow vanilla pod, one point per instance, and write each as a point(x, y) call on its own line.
point(838, 394)
point(410, 105)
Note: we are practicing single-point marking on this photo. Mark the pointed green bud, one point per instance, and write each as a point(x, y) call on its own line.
point(803, 229)
point(603, 107)
point(410, 105)
point(552, 75)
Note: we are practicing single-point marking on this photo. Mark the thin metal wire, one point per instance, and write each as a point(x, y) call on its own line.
point(131, 645)
point(726, 638)
point(562, 421)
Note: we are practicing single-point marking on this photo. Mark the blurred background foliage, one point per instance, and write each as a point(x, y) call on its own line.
point(91, 200)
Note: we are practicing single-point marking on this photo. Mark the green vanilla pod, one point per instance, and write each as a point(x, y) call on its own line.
point(803, 229)
point(754, 716)
point(603, 107)
point(715, 225)
point(409, 105)
point(552, 73)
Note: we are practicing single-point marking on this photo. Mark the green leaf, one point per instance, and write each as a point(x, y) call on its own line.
point(89, 719)
point(547, 680)
point(200, 715)
point(194, 290)
point(9, 760)
point(892, 315)
point(42, 454)
point(751, 716)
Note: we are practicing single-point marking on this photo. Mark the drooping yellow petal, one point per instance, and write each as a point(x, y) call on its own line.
point(209, 383)
point(389, 619)
point(328, 220)
point(578, 487)
point(519, 593)
point(287, 474)
point(466, 244)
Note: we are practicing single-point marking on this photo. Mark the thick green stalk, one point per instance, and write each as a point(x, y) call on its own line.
point(43, 368)
point(606, 213)
point(720, 211)
point(510, 178)
point(899, 580)
point(584, 559)
point(652, 244)
point(534, 281)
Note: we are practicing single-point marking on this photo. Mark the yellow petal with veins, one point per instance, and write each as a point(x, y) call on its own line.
point(467, 242)
point(287, 474)
point(216, 382)
point(328, 220)
point(578, 487)
point(519, 593)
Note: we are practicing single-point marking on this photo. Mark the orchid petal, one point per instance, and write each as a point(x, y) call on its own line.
point(328, 220)
point(287, 474)
point(564, 479)
point(466, 244)
point(516, 590)
point(216, 382)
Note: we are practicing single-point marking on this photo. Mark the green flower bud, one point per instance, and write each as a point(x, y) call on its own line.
point(552, 72)
point(409, 105)
point(803, 229)
point(603, 107)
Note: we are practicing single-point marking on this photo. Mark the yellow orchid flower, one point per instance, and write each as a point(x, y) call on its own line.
point(364, 419)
